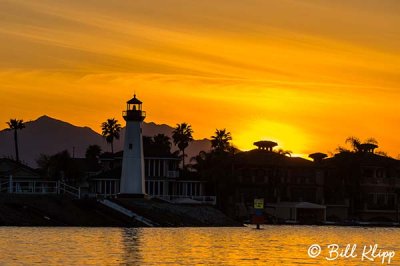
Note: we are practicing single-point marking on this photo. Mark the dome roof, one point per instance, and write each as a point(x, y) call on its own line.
point(134, 100)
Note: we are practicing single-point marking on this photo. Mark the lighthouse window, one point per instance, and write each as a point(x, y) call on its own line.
point(130, 146)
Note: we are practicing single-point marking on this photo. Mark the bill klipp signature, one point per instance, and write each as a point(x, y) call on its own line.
point(365, 253)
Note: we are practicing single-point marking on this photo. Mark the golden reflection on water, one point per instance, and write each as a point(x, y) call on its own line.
point(274, 245)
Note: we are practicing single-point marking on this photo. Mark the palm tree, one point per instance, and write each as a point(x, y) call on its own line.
point(181, 136)
point(359, 146)
point(16, 124)
point(110, 131)
point(354, 142)
point(220, 141)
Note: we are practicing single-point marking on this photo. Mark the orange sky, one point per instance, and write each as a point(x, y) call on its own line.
point(305, 73)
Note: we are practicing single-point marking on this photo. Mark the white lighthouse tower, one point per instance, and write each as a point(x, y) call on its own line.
point(132, 177)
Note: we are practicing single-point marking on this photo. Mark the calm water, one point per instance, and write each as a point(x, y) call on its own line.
point(274, 245)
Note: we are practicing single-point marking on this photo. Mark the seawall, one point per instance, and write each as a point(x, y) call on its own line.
point(58, 210)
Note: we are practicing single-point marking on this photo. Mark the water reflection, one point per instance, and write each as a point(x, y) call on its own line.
point(131, 244)
point(275, 245)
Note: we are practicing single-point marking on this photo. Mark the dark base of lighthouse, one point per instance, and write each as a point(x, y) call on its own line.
point(132, 196)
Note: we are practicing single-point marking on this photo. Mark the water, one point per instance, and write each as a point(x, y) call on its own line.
point(274, 245)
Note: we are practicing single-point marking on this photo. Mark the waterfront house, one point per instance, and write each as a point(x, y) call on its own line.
point(276, 177)
point(16, 177)
point(162, 179)
point(362, 186)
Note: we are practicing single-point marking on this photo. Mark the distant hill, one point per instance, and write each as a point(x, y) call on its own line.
point(47, 135)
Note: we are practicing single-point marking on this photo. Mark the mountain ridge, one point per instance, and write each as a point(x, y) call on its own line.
point(48, 135)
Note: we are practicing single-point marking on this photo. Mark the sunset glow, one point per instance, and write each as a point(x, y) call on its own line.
point(306, 74)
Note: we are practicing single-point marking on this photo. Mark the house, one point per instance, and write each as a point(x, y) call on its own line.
point(359, 185)
point(16, 177)
point(162, 179)
point(264, 173)
point(362, 186)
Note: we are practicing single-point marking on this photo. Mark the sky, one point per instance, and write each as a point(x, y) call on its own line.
point(304, 73)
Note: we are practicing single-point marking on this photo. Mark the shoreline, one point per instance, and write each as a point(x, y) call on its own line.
point(250, 226)
point(61, 211)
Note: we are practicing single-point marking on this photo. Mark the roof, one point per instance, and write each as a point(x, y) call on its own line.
point(134, 100)
point(259, 158)
point(318, 156)
point(265, 143)
point(12, 167)
point(361, 159)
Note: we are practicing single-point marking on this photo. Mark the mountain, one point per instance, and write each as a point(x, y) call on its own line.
point(47, 135)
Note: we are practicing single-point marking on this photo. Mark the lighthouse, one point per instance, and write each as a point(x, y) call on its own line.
point(132, 177)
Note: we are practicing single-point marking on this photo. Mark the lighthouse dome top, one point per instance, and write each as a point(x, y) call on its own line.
point(134, 100)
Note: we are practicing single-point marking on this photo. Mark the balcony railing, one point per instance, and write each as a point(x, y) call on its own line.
point(134, 114)
point(172, 174)
point(29, 187)
point(39, 187)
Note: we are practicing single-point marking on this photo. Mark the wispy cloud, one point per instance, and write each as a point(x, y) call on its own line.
point(317, 69)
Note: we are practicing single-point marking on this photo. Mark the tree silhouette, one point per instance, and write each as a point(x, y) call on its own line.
point(181, 136)
point(358, 146)
point(110, 131)
point(93, 152)
point(159, 145)
point(285, 152)
point(163, 143)
point(60, 166)
point(354, 142)
point(217, 169)
point(220, 141)
point(16, 124)
point(200, 161)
